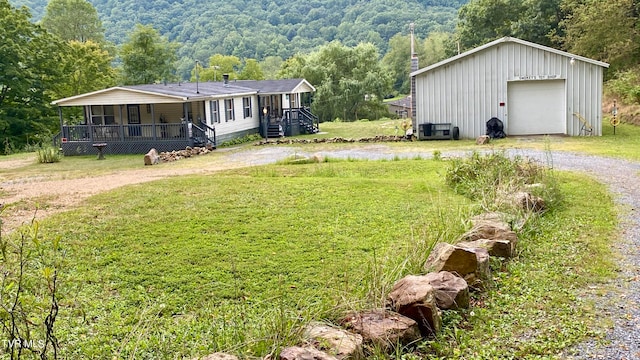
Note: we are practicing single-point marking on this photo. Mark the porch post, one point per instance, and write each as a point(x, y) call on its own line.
point(61, 123)
point(121, 123)
point(153, 121)
point(90, 123)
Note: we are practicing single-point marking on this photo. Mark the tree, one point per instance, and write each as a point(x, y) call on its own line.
point(481, 21)
point(270, 66)
point(29, 74)
point(73, 20)
point(147, 57)
point(397, 61)
point(87, 67)
point(603, 30)
point(221, 64)
point(251, 70)
point(350, 82)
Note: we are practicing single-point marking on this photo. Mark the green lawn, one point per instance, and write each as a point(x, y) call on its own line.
point(230, 261)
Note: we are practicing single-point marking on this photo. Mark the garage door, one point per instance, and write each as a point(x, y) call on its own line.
point(536, 107)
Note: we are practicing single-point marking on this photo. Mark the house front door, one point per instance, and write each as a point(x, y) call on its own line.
point(133, 113)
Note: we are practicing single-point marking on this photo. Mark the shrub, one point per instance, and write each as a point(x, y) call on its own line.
point(48, 155)
point(487, 177)
point(242, 140)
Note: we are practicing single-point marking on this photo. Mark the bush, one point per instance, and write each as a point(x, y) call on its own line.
point(48, 155)
point(242, 140)
point(626, 84)
point(487, 177)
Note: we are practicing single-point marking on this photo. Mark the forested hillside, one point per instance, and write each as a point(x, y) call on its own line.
point(261, 28)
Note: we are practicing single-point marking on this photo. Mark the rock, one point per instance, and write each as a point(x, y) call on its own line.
point(452, 292)
point(490, 231)
point(382, 327)
point(219, 356)
point(455, 259)
point(152, 157)
point(413, 297)
point(337, 342)
point(304, 353)
point(483, 140)
point(483, 271)
point(499, 248)
point(528, 202)
point(495, 219)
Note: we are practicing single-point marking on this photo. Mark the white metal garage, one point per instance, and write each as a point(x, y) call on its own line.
point(536, 107)
point(532, 88)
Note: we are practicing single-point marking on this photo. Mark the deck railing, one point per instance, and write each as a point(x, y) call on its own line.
point(124, 133)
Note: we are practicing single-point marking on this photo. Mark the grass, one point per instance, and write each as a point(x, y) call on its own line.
point(537, 306)
point(238, 261)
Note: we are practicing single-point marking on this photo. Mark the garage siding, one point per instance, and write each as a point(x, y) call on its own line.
point(469, 89)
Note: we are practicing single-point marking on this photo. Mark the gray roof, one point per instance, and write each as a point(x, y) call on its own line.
point(279, 86)
point(193, 90)
point(508, 39)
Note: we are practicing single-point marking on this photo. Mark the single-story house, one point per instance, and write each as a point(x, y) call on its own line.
point(532, 89)
point(134, 119)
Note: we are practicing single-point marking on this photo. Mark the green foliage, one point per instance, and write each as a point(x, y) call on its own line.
point(87, 67)
point(48, 155)
point(255, 29)
point(604, 30)
point(626, 84)
point(242, 140)
point(29, 292)
point(481, 21)
point(29, 75)
point(350, 82)
point(73, 20)
point(488, 177)
point(147, 57)
point(251, 70)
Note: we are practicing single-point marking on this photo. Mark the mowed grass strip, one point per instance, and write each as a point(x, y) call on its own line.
point(238, 260)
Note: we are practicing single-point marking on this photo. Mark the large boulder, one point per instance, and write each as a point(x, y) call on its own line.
point(336, 342)
point(383, 328)
point(499, 248)
point(452, 292)
point(413, 297)
point(451, 258)
point(304, 353)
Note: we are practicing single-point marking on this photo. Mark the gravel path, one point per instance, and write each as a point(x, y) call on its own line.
point(622, 304)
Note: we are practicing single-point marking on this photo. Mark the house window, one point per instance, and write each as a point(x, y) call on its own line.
point(215, 112)
point(246, 106)
point(102, 115)
point(228, 110)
